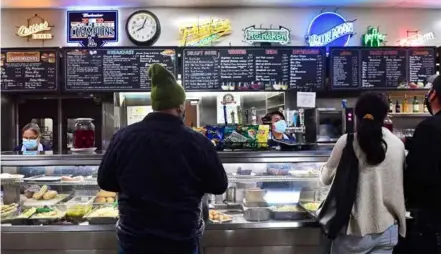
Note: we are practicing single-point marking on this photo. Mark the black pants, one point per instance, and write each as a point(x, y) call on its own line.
point(157, 246)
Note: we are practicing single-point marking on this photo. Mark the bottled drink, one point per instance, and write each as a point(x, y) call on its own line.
point(391, 104)
point(425, 108)
point(397, 107)
point(405, 106)
point(415, 104)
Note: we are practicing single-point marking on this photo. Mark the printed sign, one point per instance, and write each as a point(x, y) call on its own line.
point(36, 29)
point(92, 28)
point(204, 33)
point(253, 35)
point(329, 29)
point(373, 38)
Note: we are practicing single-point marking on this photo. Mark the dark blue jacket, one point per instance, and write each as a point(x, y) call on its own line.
point(161, 170)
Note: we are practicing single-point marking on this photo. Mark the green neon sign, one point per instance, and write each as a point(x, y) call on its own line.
point(373, 38)
point(279, 35)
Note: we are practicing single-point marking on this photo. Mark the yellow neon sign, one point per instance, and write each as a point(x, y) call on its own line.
point(205, 33)
point(34, 31)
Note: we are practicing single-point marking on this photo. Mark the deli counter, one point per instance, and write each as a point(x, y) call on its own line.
point(52, 204)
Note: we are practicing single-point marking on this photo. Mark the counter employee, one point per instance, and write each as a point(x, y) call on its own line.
point(422, 177)
point(278, 126)
point(31, 136)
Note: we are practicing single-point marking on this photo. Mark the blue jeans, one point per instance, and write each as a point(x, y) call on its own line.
point(383, 243)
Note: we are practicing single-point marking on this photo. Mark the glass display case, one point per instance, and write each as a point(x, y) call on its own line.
point(268, 206)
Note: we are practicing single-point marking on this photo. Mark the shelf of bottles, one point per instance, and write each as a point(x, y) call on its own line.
point(407, 106)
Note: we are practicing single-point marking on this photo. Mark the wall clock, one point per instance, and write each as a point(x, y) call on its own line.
point(143, 28)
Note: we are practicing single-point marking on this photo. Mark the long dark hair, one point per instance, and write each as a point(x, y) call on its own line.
point(371, 110)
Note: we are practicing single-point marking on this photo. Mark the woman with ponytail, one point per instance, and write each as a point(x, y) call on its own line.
point(378, 213)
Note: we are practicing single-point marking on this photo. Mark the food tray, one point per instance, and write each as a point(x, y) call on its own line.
point(256, 212)
point(6, 217)
point(289, 215)
point(100, 220)
point(44, 179)
point(220, 222)
point(30, 202)
point(46, 220)
point(312, 213)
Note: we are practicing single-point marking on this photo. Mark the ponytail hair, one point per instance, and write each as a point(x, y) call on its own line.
point(371, 110)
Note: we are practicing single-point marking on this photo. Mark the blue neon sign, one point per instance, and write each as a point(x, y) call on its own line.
point(329, 29)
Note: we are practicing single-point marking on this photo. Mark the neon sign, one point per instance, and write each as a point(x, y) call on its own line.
point(35, 30)
point(417, 39)
point(253, 35)
point(373, 38)
point(329, 29)
point(92, 28)
point(204, 33)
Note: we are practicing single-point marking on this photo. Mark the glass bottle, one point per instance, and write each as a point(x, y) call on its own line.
point(391, 104)
point(84, 134)
point(397, 107)
point(415, 105)
point(404, 104)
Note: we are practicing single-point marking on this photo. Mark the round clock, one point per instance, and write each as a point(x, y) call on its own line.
point(143, 28)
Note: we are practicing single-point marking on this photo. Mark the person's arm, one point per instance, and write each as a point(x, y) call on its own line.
point(214, 178)
point(327, 172)
point(421, 174)
point(107, 172)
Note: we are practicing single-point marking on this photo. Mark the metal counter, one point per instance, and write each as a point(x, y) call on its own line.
point(260, 237)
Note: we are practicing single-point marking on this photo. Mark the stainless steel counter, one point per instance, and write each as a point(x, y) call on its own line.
point(238, 237)
point(261, 237)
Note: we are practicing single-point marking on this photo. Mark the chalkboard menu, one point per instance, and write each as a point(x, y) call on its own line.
point(29, 70)
point(253, 69)
point(114, 69)
point(355, 68)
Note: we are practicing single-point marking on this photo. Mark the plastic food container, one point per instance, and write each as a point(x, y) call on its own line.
point(84, 134)
point(79, 206)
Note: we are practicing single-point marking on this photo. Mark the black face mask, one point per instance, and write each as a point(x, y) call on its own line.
point(427, 102)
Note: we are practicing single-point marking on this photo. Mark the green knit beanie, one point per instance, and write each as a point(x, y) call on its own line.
point(166, 92)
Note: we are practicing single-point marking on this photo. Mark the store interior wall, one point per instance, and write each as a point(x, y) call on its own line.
point(393, 22)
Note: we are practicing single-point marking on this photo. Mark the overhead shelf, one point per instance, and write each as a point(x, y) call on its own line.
point(410, 115)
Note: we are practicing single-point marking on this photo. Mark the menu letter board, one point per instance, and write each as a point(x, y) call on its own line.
point(254, 69)
point(29, 70)
point(114, 69)
point(353, 68)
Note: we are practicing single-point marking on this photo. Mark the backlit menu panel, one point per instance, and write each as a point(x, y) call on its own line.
point(114, 69)
point(353, 68)
point(253, 68)
point(29, 70)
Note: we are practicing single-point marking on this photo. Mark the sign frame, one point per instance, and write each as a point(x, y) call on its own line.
point(182, 62)
point(64, 50)
point(81, 14)
point(359, 88)
point(57, 69)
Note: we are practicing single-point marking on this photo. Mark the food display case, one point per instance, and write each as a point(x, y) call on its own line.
point(52, 204)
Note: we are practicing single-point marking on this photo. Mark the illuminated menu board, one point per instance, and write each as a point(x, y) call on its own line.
point(114, 69)
point(354, 68)
point(29, 70)
point(254, 69)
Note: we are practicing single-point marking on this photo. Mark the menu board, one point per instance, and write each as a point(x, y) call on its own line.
point(114, 69)
point(29, 70)
point(355, 68)
point(254, 69)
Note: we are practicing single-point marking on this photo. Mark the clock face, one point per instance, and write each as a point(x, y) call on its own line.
point(142, 27)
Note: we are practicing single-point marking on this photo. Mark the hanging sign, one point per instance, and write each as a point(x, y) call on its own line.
point(279, 35)
point(92, 28)
point(204, 33)
point(373, 38)
point(329, 29)
point(36, 29)
point(416, 39)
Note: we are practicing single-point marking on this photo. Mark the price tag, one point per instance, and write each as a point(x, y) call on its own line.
point(306, 99)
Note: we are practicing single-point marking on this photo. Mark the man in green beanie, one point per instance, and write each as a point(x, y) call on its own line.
point(161, 169)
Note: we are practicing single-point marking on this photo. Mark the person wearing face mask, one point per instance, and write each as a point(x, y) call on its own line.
point(278, 126)
point(161, 170)
point(422, 177)
point(31, 139)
